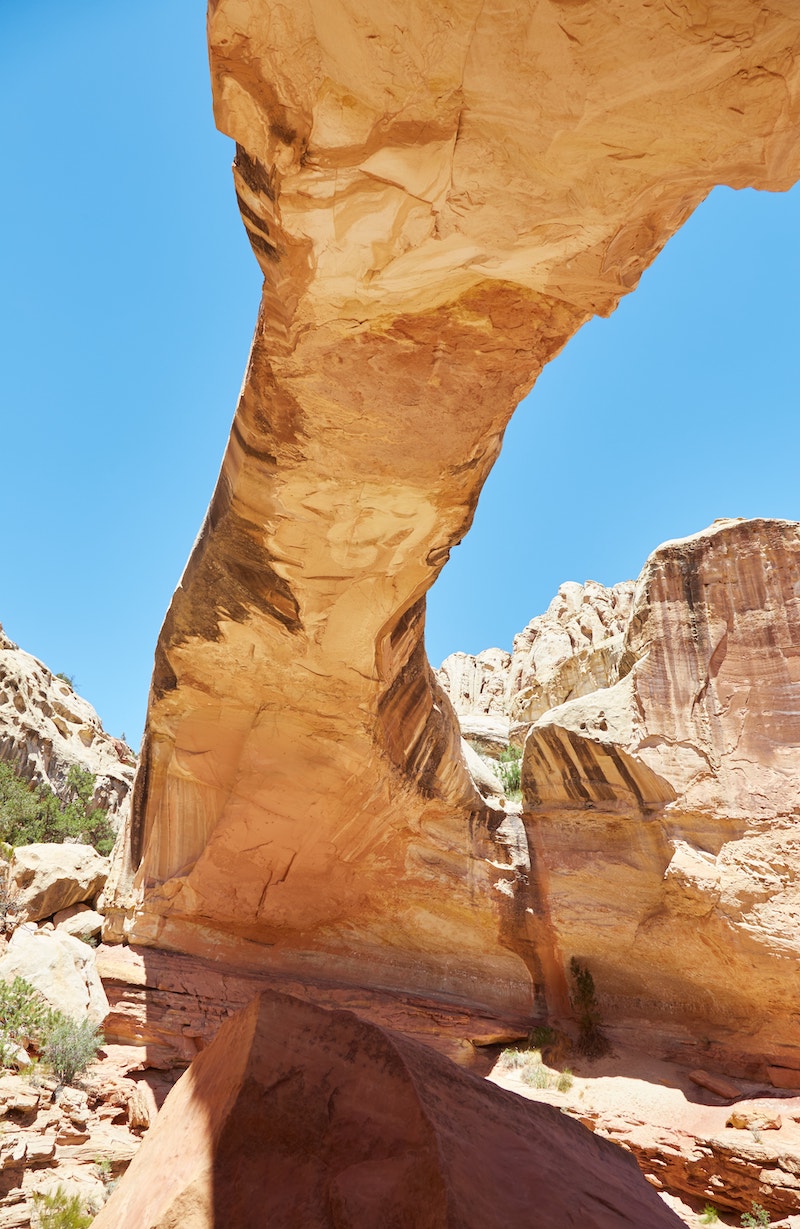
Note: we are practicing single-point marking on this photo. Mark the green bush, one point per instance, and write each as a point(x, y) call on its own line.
point(591, 1039)
point(509, 770)
point(60, 1210)
point(565, 1080)
point(71, 1046)
point(710, 1215)
point(69, 679)
point(26, 1017)
point(27, 1020)
point(30, 814)
point(758, 1217)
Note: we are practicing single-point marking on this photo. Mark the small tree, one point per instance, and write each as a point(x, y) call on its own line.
point(509, 770)
point(59, 1210)
point(592, 1041)
point(71, 1046)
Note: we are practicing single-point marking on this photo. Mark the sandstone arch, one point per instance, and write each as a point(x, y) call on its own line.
point(438, 200)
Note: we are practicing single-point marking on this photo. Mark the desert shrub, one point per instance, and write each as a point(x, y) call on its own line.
point(71, 1046)
point(591, 1039)
point(513, 1059)
point(26, 1018)
point(758, 1217)
point(69, 679)
point(541, 1036)
point(33, 813)
point(565, 1080)
point(59, 1210)
point(536, 1075)
point(509, 770)
point(710, 1215)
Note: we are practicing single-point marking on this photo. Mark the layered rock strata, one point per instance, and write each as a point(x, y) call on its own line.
point(662, 810)
point(46, 728)
point(438, 198)
point(299, 1116)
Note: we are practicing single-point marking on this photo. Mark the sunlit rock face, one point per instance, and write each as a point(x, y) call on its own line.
point(571, 649)
point(662, 810)
point(46, 728)
point(439, 196)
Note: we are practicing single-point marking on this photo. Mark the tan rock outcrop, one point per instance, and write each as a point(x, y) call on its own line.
point(297, 1115)
point(46, 727)
point(44, 879)
point(570, 650)
point(662, 810)
point(60, 967)
point(438, 199)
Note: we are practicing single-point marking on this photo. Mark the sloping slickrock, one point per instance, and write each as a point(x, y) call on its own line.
point(299, 1116)
point(44, 879)
point(60, 967)
point(46, 727)
point(438, 198)
point(662, 810)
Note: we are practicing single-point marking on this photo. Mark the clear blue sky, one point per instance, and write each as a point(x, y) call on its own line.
point(128, 300)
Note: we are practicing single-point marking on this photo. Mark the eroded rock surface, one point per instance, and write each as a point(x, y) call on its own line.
point(662, 810)
point(438, 197)
point(45, 878)
point(661, 792)
point(571, 649)
point(297, 1115)
point(46, 727)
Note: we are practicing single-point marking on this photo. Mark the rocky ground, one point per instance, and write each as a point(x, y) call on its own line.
point(682, 1134)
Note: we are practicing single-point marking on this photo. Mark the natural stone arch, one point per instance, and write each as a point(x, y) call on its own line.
point(438, 200)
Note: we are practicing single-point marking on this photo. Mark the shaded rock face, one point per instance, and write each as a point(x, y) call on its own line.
point(299, 1116)
point(438, 198)
point(662, 810)
point(46, 727)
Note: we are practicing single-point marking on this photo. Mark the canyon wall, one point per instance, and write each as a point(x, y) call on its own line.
point(662, 793)
point(662, 809)
point(438, 198)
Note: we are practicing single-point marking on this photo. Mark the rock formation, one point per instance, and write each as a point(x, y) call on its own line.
point(571, 649)
point(661, 810)
point(299, 1116)
point(662, 792)
point(438, 199)
point(46, 727)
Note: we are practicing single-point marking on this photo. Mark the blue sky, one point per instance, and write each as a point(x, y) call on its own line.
point(129, 298)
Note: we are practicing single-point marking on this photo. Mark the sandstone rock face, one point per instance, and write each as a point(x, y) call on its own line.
point(299, 1116)
point(60, 967)
point(438, 198)
point(44, 879)
point(662, 810)
point(571, 649)
point(45, 728)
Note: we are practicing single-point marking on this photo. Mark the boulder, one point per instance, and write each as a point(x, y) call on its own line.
point(751, 1117)
point(295, 1115)
point(80, 922)
point(60, 967)
point(46, 879)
